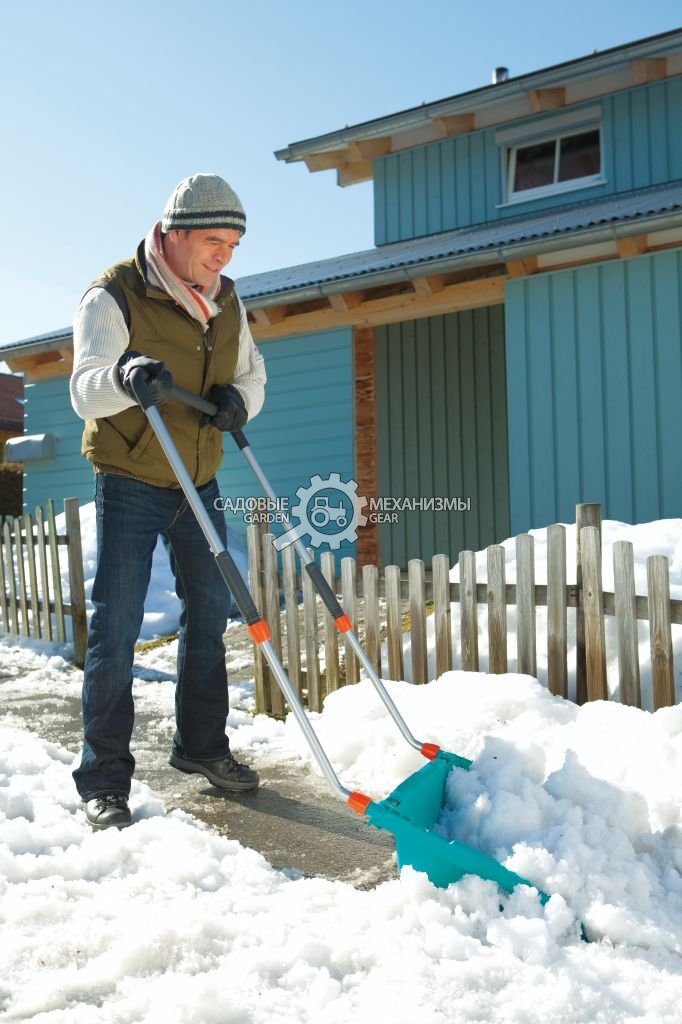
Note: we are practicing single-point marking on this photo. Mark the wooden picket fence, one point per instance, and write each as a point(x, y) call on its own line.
point(389, 606)
point(32, 603)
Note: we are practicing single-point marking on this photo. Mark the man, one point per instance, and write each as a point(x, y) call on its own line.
point(169, 312)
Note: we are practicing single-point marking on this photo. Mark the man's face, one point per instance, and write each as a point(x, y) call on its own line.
point(197, 256)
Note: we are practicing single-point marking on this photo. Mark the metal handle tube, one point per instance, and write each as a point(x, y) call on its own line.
point(323, 588)
point(233, 578)
point(302, 719)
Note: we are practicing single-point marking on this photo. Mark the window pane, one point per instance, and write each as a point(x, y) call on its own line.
point(579, 156)
point(534, 166)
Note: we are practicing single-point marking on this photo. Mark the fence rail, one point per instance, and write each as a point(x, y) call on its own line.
point(391, 606)
point(32, 602)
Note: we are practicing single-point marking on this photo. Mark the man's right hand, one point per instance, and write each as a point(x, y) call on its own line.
point(158, 379)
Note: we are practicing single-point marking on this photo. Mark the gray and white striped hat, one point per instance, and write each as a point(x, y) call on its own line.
point(203, 201)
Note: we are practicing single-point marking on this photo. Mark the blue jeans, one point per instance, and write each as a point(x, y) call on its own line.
point(130, 517)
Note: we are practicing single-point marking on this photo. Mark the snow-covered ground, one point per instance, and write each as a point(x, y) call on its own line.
point(166, 922)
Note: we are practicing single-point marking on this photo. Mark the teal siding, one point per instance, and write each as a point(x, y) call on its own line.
point(594, 379)
point(458, 182)
point(48, 411)
point(442, 431)
point(306, 425)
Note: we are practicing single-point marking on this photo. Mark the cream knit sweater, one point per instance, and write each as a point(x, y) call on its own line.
point(100, 336)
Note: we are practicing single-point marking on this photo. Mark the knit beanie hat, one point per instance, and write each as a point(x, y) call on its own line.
point(203, 201)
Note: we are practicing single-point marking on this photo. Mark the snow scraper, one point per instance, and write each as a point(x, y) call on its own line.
point(411, 810)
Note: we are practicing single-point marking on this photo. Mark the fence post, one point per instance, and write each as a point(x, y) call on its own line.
point(468, 611)
point(44, 575)
point(272, 613)
point(417, 591)
point(587, 514)
point(331, 636)
point(11, 580)
point(497, 610)
point(626, 623)
point(261, 671)
point(526, 650)
point(557, 638)
point(291, 616)
point(595, 646)
point(440, 565)
point(56, 571)
point(79, 620)
point(312, 661)
point(350, 606)
point(662, 678)
point(33, 580)
point(3, 582)
point(21, 577)
point(370, 591)
point(394, 622)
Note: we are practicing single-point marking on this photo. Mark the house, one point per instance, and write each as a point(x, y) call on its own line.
point(509, 347)
point(11, 425)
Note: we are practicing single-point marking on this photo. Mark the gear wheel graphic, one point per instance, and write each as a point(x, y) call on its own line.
point(350, 530)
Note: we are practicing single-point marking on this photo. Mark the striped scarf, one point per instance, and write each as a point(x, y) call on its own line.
point(199, 306)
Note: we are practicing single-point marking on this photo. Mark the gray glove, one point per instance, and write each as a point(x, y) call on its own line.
point(231, 414)
point(159, 380)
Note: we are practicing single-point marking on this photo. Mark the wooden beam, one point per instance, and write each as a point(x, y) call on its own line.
point(453, 124)
point(649, 70)
point(546, 99)
point(343, 302)
point(352, 172)
point(522, 267)
point(269, 316)
point(327, 161)
point(487, 291)
point(634, 245)
point(370, 149)
point(427, 286)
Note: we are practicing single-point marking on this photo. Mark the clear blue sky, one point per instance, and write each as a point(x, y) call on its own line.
point(105, 107)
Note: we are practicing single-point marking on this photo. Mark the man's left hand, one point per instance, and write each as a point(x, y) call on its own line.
point(231, 414)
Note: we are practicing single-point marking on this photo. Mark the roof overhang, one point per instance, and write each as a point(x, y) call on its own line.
point(352, 150)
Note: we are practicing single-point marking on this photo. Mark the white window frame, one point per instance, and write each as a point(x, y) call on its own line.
point(549, 130)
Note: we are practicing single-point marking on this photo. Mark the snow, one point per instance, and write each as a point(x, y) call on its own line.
point(168, 922)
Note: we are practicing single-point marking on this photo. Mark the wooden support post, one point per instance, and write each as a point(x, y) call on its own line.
point(497, 610)
point(626, 623)
point(350, 607)
point(557, 634)
point(468, 611)
point(44, 574)
point(442, 612)
point(56, 571)
point(526, 651)
point(595, 645)
point(272, 614)
point(3, 582)
point(34, 599)
point(662, 678)
point(291, 616)
point(331, 636)
point(370, 591)
point(417, 590)
point(261, 670)
point(585, 515)
point(312, 658)
point(394, 622)
point(79, 620)
point(9, 571)
point(21, 576)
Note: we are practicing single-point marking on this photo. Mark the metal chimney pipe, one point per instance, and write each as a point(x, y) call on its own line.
point(500, 75)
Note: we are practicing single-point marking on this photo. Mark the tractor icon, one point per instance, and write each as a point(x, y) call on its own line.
point(323, 513)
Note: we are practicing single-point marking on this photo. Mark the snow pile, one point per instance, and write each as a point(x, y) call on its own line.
point(166, 922)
